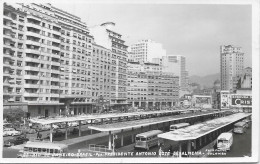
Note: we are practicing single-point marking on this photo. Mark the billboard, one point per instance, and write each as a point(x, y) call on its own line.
point(241, 100)
point(203, 101)
point(224, 100)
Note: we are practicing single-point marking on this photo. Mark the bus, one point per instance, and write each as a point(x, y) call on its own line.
point(148, 139)
point(240, 127)
point(225, 141)
point(43, 149)
point(178, 126)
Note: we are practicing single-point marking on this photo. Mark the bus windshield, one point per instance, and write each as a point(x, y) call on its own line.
point(222, 141)
point(140, 139)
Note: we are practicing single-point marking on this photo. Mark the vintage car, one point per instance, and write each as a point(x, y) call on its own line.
point(15, 141)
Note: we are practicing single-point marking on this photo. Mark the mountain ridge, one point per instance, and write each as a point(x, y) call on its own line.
point(205, 81)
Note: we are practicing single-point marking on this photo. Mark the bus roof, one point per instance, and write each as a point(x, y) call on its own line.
point(180, 124)
point(42, 144)
point(241, 123)
point(149, 133)
point(226, 136)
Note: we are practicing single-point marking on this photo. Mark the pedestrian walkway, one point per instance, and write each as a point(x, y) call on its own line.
point(127, 148)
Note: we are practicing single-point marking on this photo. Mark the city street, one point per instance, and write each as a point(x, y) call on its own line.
point(241, 145)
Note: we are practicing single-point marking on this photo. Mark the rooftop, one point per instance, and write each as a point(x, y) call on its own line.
point(147, 122)
point(201, 129)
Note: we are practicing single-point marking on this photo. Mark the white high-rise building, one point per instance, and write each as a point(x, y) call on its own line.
point(176, 64)
point(231, 66)
point(106, 37)
point(145, 50)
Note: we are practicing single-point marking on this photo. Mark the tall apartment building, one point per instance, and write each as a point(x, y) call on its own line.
point(149, 87)
point(13, 56)
point(101, 74)
point(109, 39)
point(76, 63)
point(38, 48)
point(176, 64)
point(47, 61)
point(231, 66)
point(145, 50)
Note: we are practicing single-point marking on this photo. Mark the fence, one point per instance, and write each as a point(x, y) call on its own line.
point(99, 148)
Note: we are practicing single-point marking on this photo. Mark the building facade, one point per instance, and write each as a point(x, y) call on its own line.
point(145, 50)
point(109, 39)
point(231, 66)
point(244, 81)
point(149, 87)
point(13, 56)
point(76, 63)
point(176, 64)
point(101, 73)
point(52, 65)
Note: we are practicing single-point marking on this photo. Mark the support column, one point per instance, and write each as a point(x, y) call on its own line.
point(122, 138)
point(79, 128)
point(140, 103)
point(66, 131)
point(195, 145)
point(132, 135)
point(200, 141)
point(109, 141)
point(180, 149)
point(91, 123)
point(51, 133)
point(141, 129)
point(133, 104)
point(189, 146)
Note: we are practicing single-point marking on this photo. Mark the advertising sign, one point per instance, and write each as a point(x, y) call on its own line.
point(241, 100)
point(202, 101)
point(224, 100)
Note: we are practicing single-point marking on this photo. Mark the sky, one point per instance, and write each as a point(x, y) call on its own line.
point(195, 31)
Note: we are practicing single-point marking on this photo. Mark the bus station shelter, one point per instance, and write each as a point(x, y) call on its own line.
point(207, 130)
point(123, 124)
point(131, 125)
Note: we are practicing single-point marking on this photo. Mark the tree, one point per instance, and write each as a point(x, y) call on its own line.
point(13, 114)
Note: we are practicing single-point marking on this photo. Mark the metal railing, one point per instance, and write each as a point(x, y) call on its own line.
point(99, 148)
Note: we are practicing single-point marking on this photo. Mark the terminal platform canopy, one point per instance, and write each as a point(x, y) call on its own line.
point(59, 119)
point(201, 129)
point(147, 122)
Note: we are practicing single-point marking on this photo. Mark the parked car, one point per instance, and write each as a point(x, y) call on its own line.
point(56, 133)
point(54, 126)
point(75, 131)
point(61, 125)
point(15, 141)
point(11, 132)
point(74, 124)
point(25, 129)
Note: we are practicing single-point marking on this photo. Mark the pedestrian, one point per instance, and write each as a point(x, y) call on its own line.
point(38, 134)
point(171, 150)
point(160, 152)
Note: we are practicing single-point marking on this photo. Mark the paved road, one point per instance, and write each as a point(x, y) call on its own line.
point(241, 145)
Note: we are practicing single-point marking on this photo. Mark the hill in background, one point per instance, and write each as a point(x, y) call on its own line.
point(205, 81)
